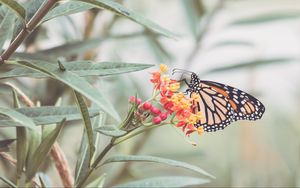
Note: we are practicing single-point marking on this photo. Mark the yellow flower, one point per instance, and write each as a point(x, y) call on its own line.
point(163, 68)
point(200, 130)
point(195, 97)
point(174, 87)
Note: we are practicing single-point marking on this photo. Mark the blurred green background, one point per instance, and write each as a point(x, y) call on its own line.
point(253, 45)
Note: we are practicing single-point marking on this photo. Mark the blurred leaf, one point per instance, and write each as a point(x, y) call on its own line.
point(231, 43)
point(73, 81)
point(34, 56)
point(41, 152)
point(265, 18)
point(83, 164)
point(251, 64)
point(98, 182)
point(4, 144)
point(121, 10)
point(72, 48)
point(87, 123)
point(16, 7)
point(136, 158)
point(111, 130)
point(80, 68)
point(194, 9)
point(66, 8)
point(159, 50)
point(17, 117)
point(8, 182)
point(167, 181)
point(6, 26)
point(48, 115)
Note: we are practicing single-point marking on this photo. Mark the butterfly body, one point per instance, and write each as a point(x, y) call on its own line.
point(221, 104)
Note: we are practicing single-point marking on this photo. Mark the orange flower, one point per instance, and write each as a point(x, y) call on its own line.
point(175, 102)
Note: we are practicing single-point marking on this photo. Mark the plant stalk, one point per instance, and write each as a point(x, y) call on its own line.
point(96, 162)
point(29, 27)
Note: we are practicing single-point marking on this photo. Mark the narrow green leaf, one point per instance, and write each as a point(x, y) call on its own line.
point(4, 144)
point(17, 117)
point(121, 10)
point(111, 131)
point(41, 152)
point(6, 26)
point(194, 9)
point(266, 18)
point(48, 115)
point(80, 68)
point(15, 7)
point(98, 182)
point(21, 149)
point(167, 181)
point(73, 81)
point(83, 163)
point(8, 182)
point(136, 158)
point(251, 64)
point(231, 43)
point(87, 123)
point(66, 8)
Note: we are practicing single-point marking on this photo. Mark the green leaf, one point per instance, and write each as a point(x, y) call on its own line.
point(67, 8)
point(98, 182)
point(41, 152)
point(111, 131)
point(8, 182)
point(73, 81)
point(48, 115)
point(167, 181)
point(80, 68)
point(194, 10)
point(17, 117)
point(15, 7)
point(72, 48)
point(87, 123)
point(251, 64)
point(136, 158)
point(83, 163)
point(21, 149)
point(232, 43)
point(6, 26)
point(121, 10)
point(266, 18)
point(4, 144)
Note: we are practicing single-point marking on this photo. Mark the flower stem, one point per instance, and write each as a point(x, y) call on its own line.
point(29, 27)
point(96, 162)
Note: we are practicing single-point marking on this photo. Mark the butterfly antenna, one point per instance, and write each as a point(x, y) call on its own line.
point(176, 70)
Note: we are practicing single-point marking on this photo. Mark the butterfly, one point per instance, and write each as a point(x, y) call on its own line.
point(220, 104)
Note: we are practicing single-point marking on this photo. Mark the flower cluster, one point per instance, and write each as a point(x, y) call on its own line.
point(168, 101)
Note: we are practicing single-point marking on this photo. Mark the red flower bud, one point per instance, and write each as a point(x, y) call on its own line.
point(163, 116)
point(147, 106)
point(132, 99)
point(138, 101)
point(155, 111)
point(156, 120)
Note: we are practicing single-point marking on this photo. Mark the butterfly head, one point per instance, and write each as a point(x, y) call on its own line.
point(190, 78)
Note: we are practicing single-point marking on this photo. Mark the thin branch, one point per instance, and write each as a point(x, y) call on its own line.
point(29, 27)
point(62, 165)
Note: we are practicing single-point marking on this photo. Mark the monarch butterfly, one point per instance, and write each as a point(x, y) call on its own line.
point(220, 104)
